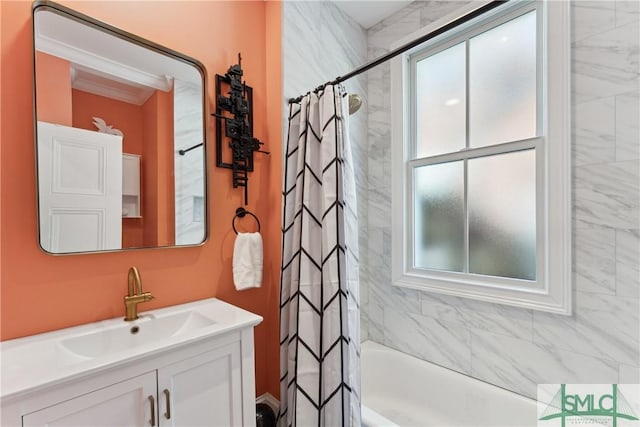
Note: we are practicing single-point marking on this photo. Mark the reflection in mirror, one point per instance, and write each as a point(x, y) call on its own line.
point(113, 112)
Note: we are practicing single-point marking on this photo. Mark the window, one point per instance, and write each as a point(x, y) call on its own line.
point(481, 159)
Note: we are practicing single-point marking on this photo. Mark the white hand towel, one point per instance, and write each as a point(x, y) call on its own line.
point(247, 261)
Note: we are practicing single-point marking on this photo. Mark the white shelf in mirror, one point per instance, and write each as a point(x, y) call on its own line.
point(131, 186)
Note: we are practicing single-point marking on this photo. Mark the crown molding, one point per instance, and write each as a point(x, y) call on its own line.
point(88, 81)
point(105, 65)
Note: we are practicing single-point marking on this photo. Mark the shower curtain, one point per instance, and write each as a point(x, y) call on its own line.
point(319, 289)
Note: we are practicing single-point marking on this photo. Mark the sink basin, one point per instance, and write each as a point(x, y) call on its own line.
point(142, 331)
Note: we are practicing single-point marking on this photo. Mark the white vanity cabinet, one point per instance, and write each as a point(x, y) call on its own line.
point(199, 389)
point(202, 381)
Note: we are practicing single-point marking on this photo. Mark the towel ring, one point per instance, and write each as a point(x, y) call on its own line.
point(241, 212)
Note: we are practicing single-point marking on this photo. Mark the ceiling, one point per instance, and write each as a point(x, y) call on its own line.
point(108, 65)
point(367, 13)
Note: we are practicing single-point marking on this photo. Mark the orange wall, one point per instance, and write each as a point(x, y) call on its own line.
point(54, 89)
point(40, 292)
point(146, 128)
point(121, 115)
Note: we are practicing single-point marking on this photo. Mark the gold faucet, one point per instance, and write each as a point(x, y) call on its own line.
point(134, 294)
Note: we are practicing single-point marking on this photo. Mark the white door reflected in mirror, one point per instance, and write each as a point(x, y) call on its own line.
point(80, 183)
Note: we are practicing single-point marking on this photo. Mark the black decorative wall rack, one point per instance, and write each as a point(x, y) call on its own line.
point(234, 113)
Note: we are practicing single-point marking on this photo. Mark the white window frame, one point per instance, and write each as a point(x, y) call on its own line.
point(551, 291)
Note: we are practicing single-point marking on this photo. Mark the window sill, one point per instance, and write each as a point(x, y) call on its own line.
point(534, 298)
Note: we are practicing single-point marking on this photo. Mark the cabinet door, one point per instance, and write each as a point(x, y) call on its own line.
point(80, 181)
point(204, 390)
point(123, 404)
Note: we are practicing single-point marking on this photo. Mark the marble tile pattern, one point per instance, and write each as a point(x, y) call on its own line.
point(320, 43)
point(512, 347)
point(189, 169)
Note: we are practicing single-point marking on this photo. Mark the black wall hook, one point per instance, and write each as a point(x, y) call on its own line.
point(240, 213)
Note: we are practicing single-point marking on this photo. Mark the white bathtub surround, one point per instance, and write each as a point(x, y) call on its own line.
point(606, 63)
point(606, 204)
point(520, 366)
point(631, 374)
point(319, 292)
point(600, 342)
point(438, 341)
point(407, 391)
point(627, 268)
point(595, 138)
point(627, 128)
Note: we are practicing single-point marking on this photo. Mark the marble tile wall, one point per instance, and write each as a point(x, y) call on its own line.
point(601, 341)
point(321, 43)
point(512, 347)
point(189, 168)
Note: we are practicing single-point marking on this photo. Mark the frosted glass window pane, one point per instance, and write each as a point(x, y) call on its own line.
point(502, 215)
point(440, 102)
point(502, 83)
point(439, 216)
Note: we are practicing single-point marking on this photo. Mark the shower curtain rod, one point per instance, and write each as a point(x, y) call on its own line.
point(395, 52)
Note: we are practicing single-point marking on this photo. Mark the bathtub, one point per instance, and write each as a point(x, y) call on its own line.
point(401, 390)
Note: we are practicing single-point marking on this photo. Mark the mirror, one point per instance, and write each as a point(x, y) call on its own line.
point(120, 138)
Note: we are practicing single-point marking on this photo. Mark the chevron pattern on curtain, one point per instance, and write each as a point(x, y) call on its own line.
point(319, 289)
